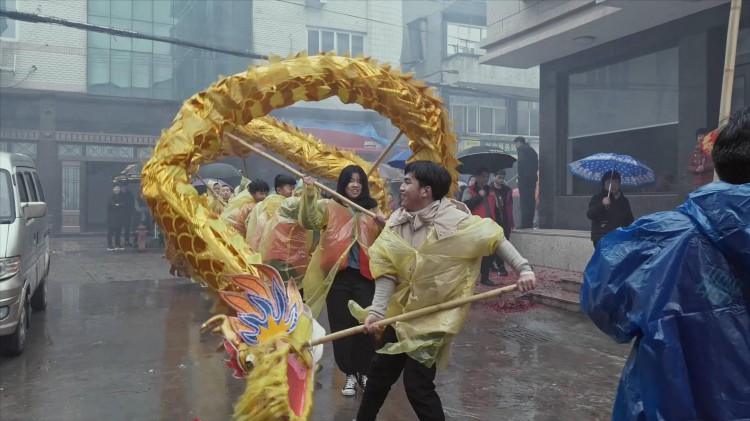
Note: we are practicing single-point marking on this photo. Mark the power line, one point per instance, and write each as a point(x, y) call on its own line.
point(29, 17)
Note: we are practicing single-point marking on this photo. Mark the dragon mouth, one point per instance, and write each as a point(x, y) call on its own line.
point(297, 378)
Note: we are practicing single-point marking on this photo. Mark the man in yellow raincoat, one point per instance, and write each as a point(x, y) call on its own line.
point(260, 215)
point(240, 206)
point(428, 253)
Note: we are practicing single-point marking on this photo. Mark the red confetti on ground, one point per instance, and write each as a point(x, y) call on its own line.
point(509, 306)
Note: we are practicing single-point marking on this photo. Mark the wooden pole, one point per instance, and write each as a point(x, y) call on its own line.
point(208, 188)
point(729, 59)
point(380, 159)
point(294, 171)
point(415, 314)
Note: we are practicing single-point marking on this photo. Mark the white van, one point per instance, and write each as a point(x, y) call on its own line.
point(24, 249)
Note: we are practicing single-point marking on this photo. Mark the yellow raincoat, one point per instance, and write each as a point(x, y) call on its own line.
point(285, 244)
point(340, 228)
point(237, 210)
point(439, 270)
point(256, 221)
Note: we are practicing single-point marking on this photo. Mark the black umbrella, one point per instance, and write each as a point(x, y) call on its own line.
point(474, 158)
point(131, 173)
point(221, 171)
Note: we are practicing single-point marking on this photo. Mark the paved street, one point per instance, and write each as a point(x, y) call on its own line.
point(120, 341)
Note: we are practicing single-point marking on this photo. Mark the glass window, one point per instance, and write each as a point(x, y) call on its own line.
point(358, 45)
point(471, 119)
point(22, 195)
point(98, 71)
point(326, 41)
point(121, 62)
point(464, 38)
point(485, 120)
point(95, 39)
point(501, 116)
point(163, 75)
point(9, 26)
point(143, 45)
point(122, 9)
point(342, 43)
point(143, 11)
point(637, 93)
point(30, 186)
point(38, 185)
point(459, 118)
point(70, 186)
point(98, 8)
point(141, 77)
point(7, 201)
point(163, 11)
point(164, 31)
point(121, 43)
point(313, 41)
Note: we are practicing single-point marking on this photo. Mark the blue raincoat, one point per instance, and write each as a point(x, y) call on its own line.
point(679, 283)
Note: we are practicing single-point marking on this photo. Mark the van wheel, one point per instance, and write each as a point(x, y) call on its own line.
point(39, 299)
point(12, 345)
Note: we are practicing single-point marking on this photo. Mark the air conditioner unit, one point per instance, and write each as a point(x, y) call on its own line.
point(9, 69)
point(316, 3)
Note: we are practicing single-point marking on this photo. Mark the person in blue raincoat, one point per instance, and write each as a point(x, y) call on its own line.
point(678, 283)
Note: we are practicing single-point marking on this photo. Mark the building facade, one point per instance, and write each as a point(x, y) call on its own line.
point(637, 78)
point(489, 105)
point(84, 105)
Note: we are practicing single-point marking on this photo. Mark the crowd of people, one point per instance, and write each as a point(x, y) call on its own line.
point(670, 280)
point(124, 214)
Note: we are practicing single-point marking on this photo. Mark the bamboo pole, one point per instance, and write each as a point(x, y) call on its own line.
point(380, 159)
point(729, 59)
point(415, 314)
point(208, 188)
point(296, 172)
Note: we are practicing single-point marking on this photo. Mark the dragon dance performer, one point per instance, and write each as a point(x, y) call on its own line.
point(257, 219)
point(285, 244)
point(428, 253)
point(214, 198)
point(240, 206)
point(339, 268)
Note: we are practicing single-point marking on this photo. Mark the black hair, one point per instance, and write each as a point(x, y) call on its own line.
point(432, 175)
point(481, 170)
point(610, 175)
point(500, 172)
point(701, 132)
point(282, 180)
point(364, 199)
point(258, 185)
point(520, 139)
point(731, 153)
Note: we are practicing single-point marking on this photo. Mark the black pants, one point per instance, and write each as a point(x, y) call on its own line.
point(527, 191)
point(113, 232)
point(352, 354)
point(419, 382)
point(486, 266)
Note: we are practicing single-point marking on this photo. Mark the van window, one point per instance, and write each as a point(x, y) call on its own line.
point(22, 195)
point(30, 187)
point(7, 201)
point(38, 185)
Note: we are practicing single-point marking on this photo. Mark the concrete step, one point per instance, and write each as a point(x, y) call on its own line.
point(564, 300)
point(571, 284)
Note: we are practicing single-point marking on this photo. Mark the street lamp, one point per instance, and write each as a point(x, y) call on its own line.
point(451, 71)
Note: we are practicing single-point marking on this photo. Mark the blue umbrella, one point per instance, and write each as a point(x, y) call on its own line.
point(633, 172)
point(399, 160)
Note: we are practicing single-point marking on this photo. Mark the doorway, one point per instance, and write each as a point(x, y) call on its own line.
point(98, 182)
point(741, 87)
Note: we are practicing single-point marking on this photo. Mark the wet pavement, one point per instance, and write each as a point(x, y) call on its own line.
point(119, 340)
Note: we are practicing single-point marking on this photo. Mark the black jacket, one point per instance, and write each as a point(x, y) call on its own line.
point(116, 210)
point(605, 220)
point(528, 164)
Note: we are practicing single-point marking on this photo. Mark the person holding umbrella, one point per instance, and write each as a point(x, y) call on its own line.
point(482, 201)
point(609, 209)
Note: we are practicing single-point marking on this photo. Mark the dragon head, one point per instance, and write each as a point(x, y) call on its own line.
point(267, 343)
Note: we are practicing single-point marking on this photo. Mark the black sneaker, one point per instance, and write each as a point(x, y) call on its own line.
point(487, 282)
point(362, 381)
point(501, 271)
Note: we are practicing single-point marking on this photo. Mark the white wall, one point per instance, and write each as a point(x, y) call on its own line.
point(59, 53)
point(280, 28)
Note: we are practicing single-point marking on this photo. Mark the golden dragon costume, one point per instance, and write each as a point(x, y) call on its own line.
point(217, 255)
